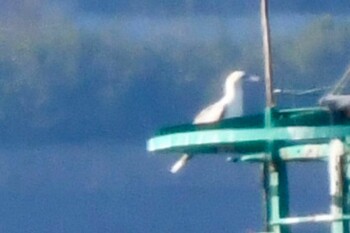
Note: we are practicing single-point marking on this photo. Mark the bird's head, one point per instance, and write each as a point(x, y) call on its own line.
point(238, 76)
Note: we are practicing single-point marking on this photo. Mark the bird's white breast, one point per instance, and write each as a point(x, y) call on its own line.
point(210, 114)
point(235, 107)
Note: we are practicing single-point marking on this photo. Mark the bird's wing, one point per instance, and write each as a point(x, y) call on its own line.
point(210, 114)
point(215, 112)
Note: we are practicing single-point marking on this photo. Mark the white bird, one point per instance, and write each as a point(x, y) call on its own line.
point(232, 98)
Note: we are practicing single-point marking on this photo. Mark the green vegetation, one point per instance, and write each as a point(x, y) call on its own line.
point(319, 54)
point(62, 80)
point(217, 7)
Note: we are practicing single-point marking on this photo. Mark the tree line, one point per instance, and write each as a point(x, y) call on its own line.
point(61, 81)
point(179, 7)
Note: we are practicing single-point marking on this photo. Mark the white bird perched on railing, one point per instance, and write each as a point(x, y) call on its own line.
point(230, 105)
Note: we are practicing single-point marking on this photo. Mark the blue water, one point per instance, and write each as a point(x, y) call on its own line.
point(102, 187)
point(105, 187)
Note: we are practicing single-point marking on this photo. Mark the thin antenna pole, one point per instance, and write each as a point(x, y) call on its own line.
point(270, 102)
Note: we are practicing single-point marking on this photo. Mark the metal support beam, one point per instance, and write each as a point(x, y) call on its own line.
point(307, 219)
point(336, 182)
point(308, 152)
point(346, 183)
point(276, 196)
point(274, 174)
point(275, 184)
point(298, 153)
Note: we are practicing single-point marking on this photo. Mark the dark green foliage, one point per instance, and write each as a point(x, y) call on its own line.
point(62, 80)
point(216, 7)
point(316, 57)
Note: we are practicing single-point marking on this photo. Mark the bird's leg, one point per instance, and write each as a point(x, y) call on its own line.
point(180, 163)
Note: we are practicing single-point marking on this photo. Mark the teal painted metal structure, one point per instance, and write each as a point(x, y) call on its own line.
point(249, 135)
point(294, 135)
point(273, 139)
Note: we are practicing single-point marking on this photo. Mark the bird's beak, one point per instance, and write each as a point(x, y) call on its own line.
point(253, 78)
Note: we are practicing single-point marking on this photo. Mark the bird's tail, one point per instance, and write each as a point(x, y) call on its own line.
point(180, 163)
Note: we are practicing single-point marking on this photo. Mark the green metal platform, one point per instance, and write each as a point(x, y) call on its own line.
point(272, 139)
point(246, 135)
point(289, 135)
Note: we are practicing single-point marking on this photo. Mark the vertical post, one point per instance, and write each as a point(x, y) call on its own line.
point(335, 168)
point(270, 102)
point(274, 170)
point(276, 194)
point(346, 183)
point(270, 183)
